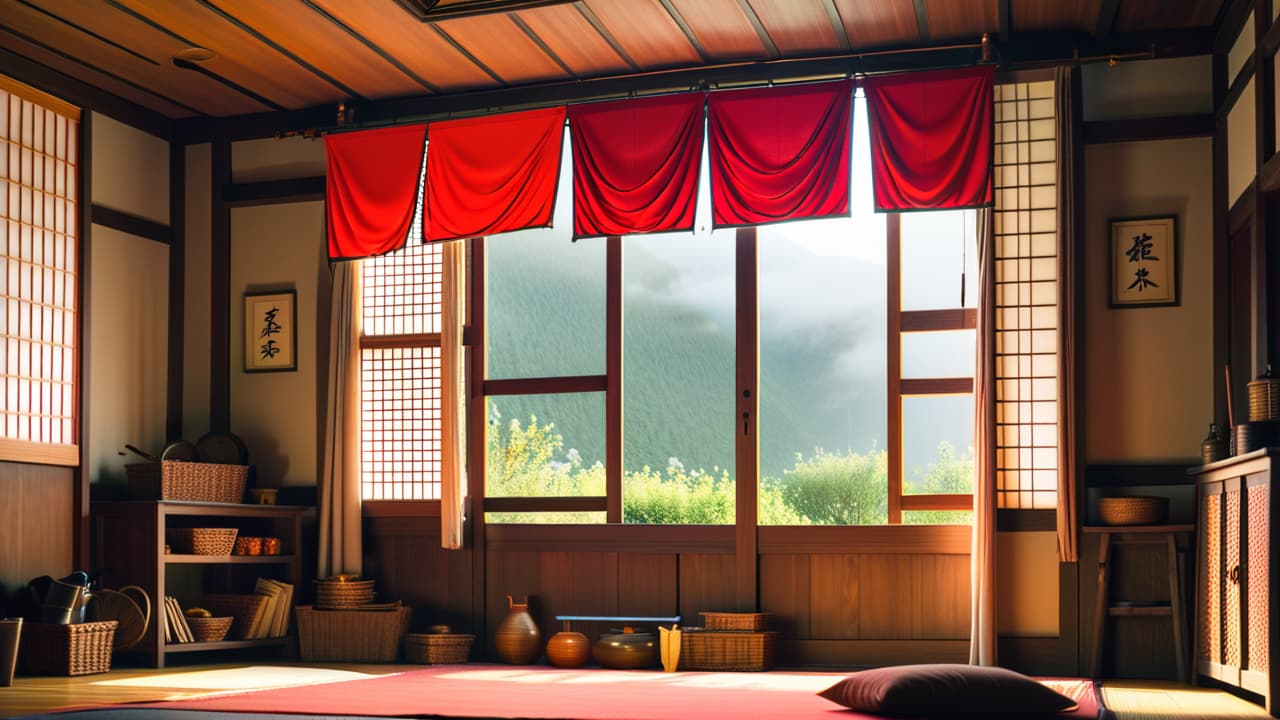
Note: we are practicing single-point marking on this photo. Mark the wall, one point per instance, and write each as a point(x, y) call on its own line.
point(1149, 393)
point(198, 256)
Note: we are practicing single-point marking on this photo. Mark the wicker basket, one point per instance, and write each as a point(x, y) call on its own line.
point(193, 481)
point(202, 541)
point(209, 629)
point(1138, 510)
point(702, 649)
point(242, 608)
point(753, 622)
point(80, 649)
point(1264, 398)
point(351, 635)
point(437, 649)
point(334, 595)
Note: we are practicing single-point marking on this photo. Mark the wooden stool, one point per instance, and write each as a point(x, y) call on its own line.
point(1166, 535)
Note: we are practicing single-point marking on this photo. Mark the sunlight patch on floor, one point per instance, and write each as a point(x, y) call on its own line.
point(1177, 702)
point(254, 677)
point(785, 681)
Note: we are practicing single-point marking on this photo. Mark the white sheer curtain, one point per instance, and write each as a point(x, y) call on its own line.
point(453, 443)
point(982, 631)
point(339, 511)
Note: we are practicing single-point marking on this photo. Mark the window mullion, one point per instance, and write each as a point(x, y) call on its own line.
point(893, 368)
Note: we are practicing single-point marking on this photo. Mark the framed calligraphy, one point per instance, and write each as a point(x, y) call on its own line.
point(1144, 262)
point(270, 335)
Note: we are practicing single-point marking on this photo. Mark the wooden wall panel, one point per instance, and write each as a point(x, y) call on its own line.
point(405, 558)
point(647, 585)
point(914, 597)
point(944, 600)
point(36, 516)
point(707, 584)
point(784, 592)
point(834, 597)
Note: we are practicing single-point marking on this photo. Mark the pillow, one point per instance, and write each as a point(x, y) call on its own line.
point(944, 689)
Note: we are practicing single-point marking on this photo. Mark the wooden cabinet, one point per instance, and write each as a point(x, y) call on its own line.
point(129, 549)
point(1234, 616)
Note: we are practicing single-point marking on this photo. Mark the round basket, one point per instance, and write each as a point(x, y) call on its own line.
point(203, 541)
point(332, 594)
point(1138, 510)
point(210, 629)
point(1264, 398)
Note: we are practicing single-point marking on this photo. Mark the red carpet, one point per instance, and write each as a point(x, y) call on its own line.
point(482, 691)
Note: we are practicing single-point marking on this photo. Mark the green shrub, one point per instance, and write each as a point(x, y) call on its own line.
point(833, 489)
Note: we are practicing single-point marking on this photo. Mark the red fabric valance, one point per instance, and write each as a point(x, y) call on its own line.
point(635, 164)
point(931, 138)
point(780, 153)
point(371, 188)
point(492, 174)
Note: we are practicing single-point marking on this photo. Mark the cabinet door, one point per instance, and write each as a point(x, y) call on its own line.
point(1232, 610)
point(1256, 596)
point(1209, 583)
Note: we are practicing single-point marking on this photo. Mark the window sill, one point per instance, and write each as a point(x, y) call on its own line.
point(23, 451)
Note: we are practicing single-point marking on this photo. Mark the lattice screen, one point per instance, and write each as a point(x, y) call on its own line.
point(38, 182)
point(1026, 293)
point(400, 375)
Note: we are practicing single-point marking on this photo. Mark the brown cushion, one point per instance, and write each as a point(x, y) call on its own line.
point(923, 690)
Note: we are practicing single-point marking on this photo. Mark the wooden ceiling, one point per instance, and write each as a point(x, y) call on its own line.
point(281, 55)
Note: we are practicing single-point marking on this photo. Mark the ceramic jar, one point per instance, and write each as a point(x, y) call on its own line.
point(626, 650)
point(517, 638)
point(568, 649)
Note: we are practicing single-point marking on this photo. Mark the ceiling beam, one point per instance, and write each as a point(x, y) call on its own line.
point(769, 46)
point(372, 46)
point(1004, 27)
point(1231, 21)
point(678, 19)
point(546, 50)
point(1107, 13)
point(837, 23)
point(101, 38)
point(922, 20)
point(467, 54)
point(594, 21)
point(429, 11)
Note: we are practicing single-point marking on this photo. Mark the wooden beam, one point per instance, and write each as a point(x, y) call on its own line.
point(935, 386)
point(922, 20)
point(1026, 520)
point(1138, 129)
point(1236, 90)
point(948, 319)
point(1241, 212)
point(1004, 27)
point(874, 539)
point(1234, 16)
point(432, 11)
point(84, 287)
point(544, 386)
point(374, 47)
point(1107, 12)
point(546, 49)
point(614, 447)
point(678, 19)
point(594, 503)
point(131, 224)
point(673, 539)
point(273, 192)
point(837, 25)
point(747, 445)
point(477, 438)
point(765, 40)
point(893, 363)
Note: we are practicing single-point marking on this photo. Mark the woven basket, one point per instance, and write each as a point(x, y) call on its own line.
point(1264, 398)
point(334, 595)
point(209, 629)
point(754, 622)
point(242, 608)
point(351, 635)
point(735, 651)
point(437, 649)
point(1138, 510)
point(192, 481)
point(202, 541)
point(80, 649)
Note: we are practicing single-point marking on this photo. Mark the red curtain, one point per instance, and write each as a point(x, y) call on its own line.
point(635, 164)
point(931, 138)
point(780, 153)
point(370, 189)
point(492, 174)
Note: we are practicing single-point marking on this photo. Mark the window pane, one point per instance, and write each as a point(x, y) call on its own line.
point(545, 300)
point(937, 517)
point(400, 423)
point(943, 354)
point(545, 446)
point(939, 258)
point(678, 379)
point(937, 444)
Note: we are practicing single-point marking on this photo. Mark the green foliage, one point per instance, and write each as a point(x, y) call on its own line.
point(678, 497)
point(833, 489)
point(948, 474)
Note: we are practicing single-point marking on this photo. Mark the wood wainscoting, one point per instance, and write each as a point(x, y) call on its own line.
point(840, 596)
point(37, 523)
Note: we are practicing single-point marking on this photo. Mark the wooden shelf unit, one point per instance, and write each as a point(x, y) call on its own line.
point(128, 541)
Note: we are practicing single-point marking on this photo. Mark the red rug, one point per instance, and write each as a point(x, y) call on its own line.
point(481, 691)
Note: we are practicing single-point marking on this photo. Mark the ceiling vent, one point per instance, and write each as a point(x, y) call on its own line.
point(435, 10)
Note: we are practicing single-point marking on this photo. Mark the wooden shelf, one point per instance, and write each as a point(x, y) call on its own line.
point(1140, 611)
point(223, 645)
point(184, 559)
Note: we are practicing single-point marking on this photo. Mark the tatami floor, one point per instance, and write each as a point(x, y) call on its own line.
point(1131, 700)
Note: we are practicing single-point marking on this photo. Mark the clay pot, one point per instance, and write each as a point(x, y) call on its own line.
point(568, 649)
point(626, 650)
point(517, 638)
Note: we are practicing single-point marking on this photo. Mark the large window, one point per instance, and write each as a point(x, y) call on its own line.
point(38, 286)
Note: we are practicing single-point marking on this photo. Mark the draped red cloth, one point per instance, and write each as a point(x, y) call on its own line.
point(371, 188)
point(780, 153)
point(635, 164)
point(492, 174)
point(931, 138)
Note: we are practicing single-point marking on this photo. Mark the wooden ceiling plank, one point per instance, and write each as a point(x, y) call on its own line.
point(467, 54)
point(645, 30)
point(922, 20)
point(426, 53)
point(575, 40)
point(599, 27)
point(529, 33)
point(1106, 19)
point(240, 58)
point(377, 50)
point(58, 18)
point(500, 44)
point(797, 27)
point(837, 25)
point(1136, 15)
point(878, 24)
point(45, 26)
point(722, 28)
point(1041, 16)
point(684, 28)
point(766, 41)
point(961, 19)
point(52, 58)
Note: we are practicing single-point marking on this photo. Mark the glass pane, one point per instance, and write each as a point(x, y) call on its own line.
point(937, 444)
point(823, 295)
point(939, 259)
point(937, 517)
point(546, 518)
point(678, 380)
point(545, 446)
point(545, 297)
point(942, 354)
